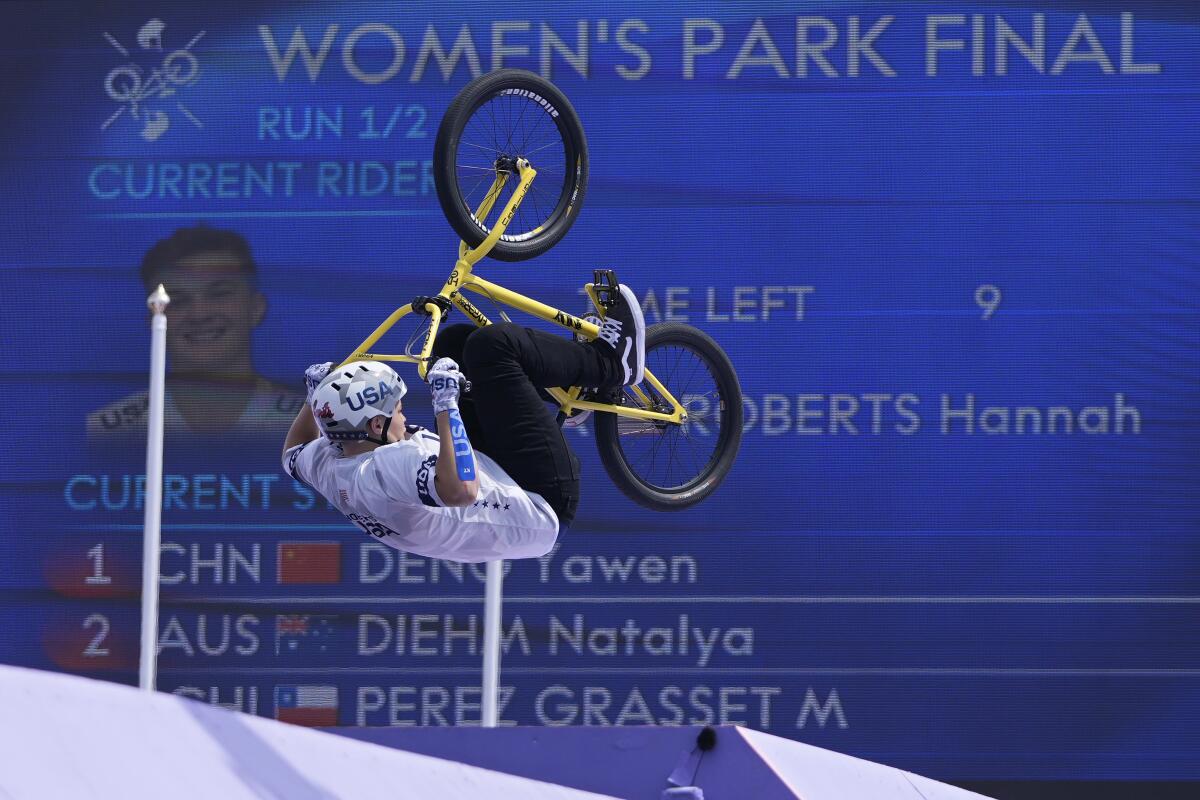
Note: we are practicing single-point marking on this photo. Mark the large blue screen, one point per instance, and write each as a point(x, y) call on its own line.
point(952, 251)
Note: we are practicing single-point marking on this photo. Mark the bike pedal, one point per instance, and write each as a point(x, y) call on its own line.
point(606, 287)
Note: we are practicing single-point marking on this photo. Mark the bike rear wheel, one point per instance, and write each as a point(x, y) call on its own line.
point(669, 466)
point(496, 119)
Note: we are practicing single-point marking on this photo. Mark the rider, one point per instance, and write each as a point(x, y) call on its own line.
point(398, 482)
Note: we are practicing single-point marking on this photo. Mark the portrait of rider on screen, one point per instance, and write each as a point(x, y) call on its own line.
point(212, 384)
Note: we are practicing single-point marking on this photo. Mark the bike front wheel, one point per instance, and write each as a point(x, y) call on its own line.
point(671, 466)
point(496, 119)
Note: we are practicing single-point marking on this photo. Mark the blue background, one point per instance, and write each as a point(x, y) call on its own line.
point(984, 606)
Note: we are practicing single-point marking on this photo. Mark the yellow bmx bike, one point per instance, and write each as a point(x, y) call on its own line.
point(667, 442)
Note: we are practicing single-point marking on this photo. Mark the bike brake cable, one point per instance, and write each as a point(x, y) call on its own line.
point(412, 340)
point(499, 309)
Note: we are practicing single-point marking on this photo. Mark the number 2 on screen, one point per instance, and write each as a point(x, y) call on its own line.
point(94, 650)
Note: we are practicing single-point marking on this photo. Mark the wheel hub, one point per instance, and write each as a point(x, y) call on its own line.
point(507, 164)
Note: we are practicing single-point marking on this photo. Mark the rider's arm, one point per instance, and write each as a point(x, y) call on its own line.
point(303, 430)
point(304, 427)
point(450, 488)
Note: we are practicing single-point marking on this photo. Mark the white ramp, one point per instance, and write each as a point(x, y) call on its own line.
point(68, 737)
point(814, 774)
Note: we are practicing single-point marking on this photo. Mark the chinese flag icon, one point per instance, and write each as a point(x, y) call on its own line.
point(309, 562)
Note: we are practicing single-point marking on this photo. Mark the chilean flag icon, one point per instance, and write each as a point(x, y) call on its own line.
point(310, 705)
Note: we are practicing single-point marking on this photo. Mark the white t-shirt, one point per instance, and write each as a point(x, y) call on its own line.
point(390, 493)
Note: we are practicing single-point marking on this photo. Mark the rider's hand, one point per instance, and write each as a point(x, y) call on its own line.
point(313, 377)
point(445, 380)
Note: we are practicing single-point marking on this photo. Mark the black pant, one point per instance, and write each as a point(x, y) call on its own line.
point(504, 413)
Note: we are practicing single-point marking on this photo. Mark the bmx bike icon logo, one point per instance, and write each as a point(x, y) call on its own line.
point(145, 95)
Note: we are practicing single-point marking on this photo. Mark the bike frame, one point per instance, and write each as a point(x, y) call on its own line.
point(463, 279)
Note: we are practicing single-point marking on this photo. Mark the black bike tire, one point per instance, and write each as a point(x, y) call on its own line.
point(466, 102)
point(702, 486)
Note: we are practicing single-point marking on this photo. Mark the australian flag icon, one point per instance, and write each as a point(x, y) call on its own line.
point(304, 634)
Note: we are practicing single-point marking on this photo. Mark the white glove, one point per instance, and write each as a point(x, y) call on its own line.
point(313, 377)
point(445, 380)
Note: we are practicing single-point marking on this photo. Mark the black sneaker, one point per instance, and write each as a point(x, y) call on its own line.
point(624, 330)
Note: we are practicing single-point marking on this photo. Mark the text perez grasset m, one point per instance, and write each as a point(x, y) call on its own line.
point(559, 704)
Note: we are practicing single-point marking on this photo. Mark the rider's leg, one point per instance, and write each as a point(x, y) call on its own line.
point(505, 364)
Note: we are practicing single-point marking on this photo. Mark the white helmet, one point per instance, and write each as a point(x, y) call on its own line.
point(352, 395)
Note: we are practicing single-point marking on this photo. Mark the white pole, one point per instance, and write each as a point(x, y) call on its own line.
point(152, 532)
point(494, 591)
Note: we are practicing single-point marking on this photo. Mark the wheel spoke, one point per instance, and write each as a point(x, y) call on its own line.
point(467, 196)
point(668, 457)
point(481, 147)
point(508, 141)
point(492, 113)
point(535, 128)
point(533, 199)
point(528, 153)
